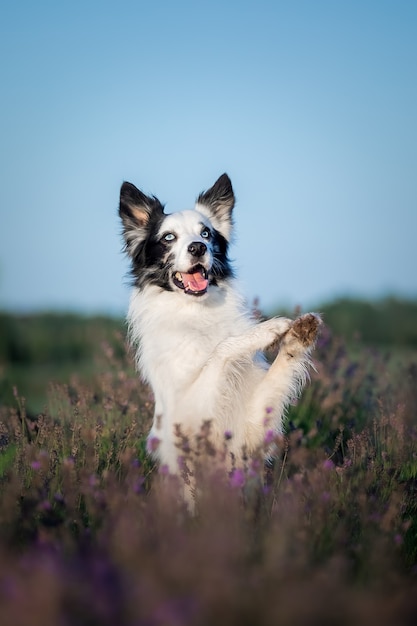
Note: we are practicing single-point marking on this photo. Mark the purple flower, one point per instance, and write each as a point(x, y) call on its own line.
point(182, 464)
point(228, 435)
point(152, 444)
point(36, 465)
point(269, 437)
point(254, 469)
point(328, 464)
point(237, 478)
point(138, 486)
point(92, 480)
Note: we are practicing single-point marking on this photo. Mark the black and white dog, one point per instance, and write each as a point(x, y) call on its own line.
point(196, 342)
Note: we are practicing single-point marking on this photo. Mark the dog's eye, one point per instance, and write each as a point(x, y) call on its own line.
point(169, 237)
point(205, 233)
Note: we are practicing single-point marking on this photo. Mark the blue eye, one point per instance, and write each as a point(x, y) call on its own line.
point(169, 237)
point(205, 233)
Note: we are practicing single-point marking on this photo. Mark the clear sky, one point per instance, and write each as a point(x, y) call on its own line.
point(310, 106)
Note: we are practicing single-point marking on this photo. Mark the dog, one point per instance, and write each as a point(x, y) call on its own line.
point(196, 341)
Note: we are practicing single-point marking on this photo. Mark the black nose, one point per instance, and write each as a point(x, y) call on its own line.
point(197, 248)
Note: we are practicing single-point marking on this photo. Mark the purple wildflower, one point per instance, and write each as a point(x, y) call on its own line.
point(328, 464)
point(269, 437)
point(45, 505)
point(237, 478)
point(152, 444)
point(254, 468)
point(138, 486)
point(181, 463)
point(92, 480)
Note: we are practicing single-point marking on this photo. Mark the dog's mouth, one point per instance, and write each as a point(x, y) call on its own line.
point(195, 282)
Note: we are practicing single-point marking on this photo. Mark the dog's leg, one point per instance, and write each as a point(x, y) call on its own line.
point(285, 378)
point(258, 337)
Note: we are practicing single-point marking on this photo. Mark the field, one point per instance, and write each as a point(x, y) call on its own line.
point(91, 532)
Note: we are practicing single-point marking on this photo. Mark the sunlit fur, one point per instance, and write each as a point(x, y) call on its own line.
point(202, 353)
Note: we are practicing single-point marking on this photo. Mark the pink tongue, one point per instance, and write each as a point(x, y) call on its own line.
point(194, 282)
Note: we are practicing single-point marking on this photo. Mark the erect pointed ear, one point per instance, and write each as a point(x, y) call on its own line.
point(217, 203)
point(136, 210)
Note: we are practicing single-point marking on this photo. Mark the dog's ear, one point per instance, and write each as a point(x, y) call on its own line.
point(136, 210)
point(217, 203)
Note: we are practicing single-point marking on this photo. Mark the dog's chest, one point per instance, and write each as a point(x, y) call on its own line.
point(175, 354)
point(177, 337)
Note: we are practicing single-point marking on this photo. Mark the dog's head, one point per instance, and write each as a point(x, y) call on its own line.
point(184, 252)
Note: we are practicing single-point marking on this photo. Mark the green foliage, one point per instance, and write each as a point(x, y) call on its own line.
point(53, 338)
point(389, 322)
point(38, 349)
point(7, 456)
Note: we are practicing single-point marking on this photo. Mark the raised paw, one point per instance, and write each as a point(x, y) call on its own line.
point(305, 328)
point(274, 329)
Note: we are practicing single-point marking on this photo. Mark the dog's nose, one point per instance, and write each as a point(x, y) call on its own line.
point(197, 248)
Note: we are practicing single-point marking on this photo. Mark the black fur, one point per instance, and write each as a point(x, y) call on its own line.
point(152, 261)
point(220, 198)
point(222, 267)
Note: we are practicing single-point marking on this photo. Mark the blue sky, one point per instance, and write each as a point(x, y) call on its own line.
point(309, 106)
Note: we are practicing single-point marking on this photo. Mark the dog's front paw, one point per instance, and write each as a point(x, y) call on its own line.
point(306, 328)
point(303, 333)
point(274, 329)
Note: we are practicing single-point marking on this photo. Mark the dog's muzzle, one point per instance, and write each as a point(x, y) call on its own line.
point(194, 282)
point(197, 249)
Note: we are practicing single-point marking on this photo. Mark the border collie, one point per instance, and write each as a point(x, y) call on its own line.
point(196, 343)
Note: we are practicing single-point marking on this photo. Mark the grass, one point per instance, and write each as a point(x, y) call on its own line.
point(92, 533)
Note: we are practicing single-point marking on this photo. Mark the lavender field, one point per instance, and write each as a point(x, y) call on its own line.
point(92, 533)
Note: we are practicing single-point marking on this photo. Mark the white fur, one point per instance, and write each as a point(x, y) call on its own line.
point(200, 358)
point(202, 355)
